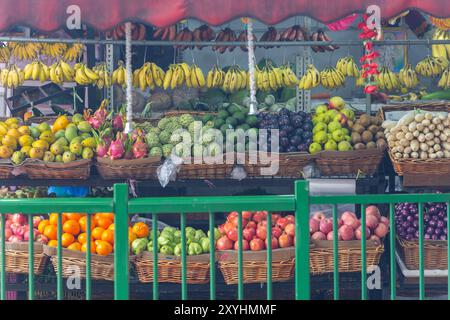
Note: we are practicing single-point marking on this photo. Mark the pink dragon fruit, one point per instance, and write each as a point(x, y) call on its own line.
point(140, 149)
point(102, 150)
point(117, 122)
point(102, 142)
point(116, 149)
point(99, 116)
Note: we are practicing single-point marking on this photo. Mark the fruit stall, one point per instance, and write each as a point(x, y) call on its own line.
point(278, 151)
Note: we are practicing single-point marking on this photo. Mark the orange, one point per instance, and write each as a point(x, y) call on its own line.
point(52, 243)
point(108, 236)
point(84, 247)
point(104, 223)
point(140, 229)
point(83, 223)
point(97, 233)
point(42, 225)
point(104, 248)
point(111, 227)
point(51, 232)
point(76, 246)
point(67, 239)
point(72, 227)
point(82, 238)
point(131, 235)
point(106, 215)
point(54, 218)
point(73, 216)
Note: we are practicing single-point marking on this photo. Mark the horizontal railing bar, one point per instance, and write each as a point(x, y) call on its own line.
point(45, 205)
point(169, 205)
point(222, 43)
point(379, 198)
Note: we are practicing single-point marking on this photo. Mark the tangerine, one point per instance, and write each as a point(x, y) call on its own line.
point(104, 248)
point(84, 247)
point(67, 239)
point(76, 246)
point(140, 229)
point(42, 225)
point(72, 227)
point(83, 223)
point(82, 238)
point(51, 232)
point(97, 233)
point(106, 215)
point(131, 236)
point(104, 222)
point(73, 216)
point(111, 227)
point(52, 243)
point(54, 218)
point(108, 236)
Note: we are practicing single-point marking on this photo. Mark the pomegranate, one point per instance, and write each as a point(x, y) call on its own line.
point(276, 232)
point(358, 233)
point(274, 243)
point(346, 232)
point(381, 230)
point(385, 221)
point(258, 216)
point(257, 245)
point(371, 221)
point(232, 234)
point(326, 225)
point(313, 225)
point(249, 233)
point(318, 236)
point(352, 222)
point(18, 218)
point(348, 215)
point(247, 215)
point(17, 229)
point(224, 243)
point(290, 230)
point(275, 218)
point(373, 210)
point(245, 245)
point(282, 223)
point(8, 233)
point(330, 236)
point(285, 241)
point(261, 233)
point(251, 224)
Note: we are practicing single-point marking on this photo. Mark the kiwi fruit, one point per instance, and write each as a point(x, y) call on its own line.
point(365, 120)
point(381, 143)
point(356, 138)
point(379, 135)
point(358, 128)
point(371, 145)
point(350, 124)
point(376, 120)
point(360, 146)
point(373, 128)
point(367, 136)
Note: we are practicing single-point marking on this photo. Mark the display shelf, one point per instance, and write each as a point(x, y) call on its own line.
point(418, 180)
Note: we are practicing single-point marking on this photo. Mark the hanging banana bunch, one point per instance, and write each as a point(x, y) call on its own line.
point(387, 80)
point(54, 50)
point(25, 50)
point(269, 78)
point(215, 77)
point(84, 75)
point(441, 50)
point(408, 77)
point(431, 66)
point(73, 52)
point(310, 79)
point(4, 53)
point(148, 76)
point(444, 82)
point(348, 67)
point(37, 70)
point(331, 78)
point(197, 79)
point(235, 79)
point(104, 77)
point(61, 72)
point(177, 75)
point(288, 77)
point(360, 81)
point(12, 77)
point(119, 76)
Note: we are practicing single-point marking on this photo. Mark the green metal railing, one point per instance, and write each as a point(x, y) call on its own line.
point(299, 203)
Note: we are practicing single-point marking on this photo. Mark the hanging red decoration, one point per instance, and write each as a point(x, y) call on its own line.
point(369, 66)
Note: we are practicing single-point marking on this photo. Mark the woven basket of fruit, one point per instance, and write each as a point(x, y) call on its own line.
point(38, 169)
point(434, 254)
point(286, 165)
point(17, 258)
point(142, 169)
point(6, 169)
point(417, 136)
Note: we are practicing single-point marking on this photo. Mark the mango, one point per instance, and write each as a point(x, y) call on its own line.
point(41, 144)
point(77, 139)
point(71, 132)
point(17, 157)
point(35, 133)
point(24, 130)
point(89, 142)
point(47, 136)
point(84, 126)
point(60, 134)
point(5, 152)
point(56, 149)
point(9, 141)
point(60, 123)
point(77, 118)
point(68, 157)
point(58, 158)
point(85, 135)
point(14, 132)
point(76, 148)
point(62, 141)
point(11, 121)
point(36, 153)
point(44, 126)
point(3, 129)
point(87, 153)
point(48, 156)
point(26, 150)
point(25, 140)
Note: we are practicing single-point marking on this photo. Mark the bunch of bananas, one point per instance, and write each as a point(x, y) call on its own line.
point(347, 67)
point(431, 66)
point(408, 77)
point(235, 79)
point(73, 52)
point(60, 72)
point(360, 81)
point(12, 77)
point(444, 82)
point(215, 77)
point(25, 50)
point(104, 77)
point(53, 50)
point(119, 76)
point(441, 50)
point(177, 75)
point(4, 53)
point(269, 78)
point(288, 77)
point(310, 79)
point(387, 80)
point(84, 76)
point(36, 70)
point(331, 78)
point(149, 75)
point(196, 79)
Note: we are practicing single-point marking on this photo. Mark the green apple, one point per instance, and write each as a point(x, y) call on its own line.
point(331, 145)
point(314, 148)
point(320, 137)
point(350, 114)
point(336, 103)
point(320, 127)
point(333, 126)
point(338, 135)
point(348, 138)
point(345, 131)
point(344, 146)
point(321, 108)
point(341, 118)
point(332, 114)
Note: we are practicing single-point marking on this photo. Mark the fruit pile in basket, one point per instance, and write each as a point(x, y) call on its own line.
point(17, 229)
point(254, 226)
point(74, 236)
point(349, 226)
point(169, 240)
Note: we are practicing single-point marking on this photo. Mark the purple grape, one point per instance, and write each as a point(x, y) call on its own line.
point(415, 224)
point(432, 223)
point(410, 218)
point(438, 231)
point(410, 230)
point(406, 224)
point(426, 217)
point(434, 237)
point(441, 224)
point(435, 218)
point(409, 237)
point(427, 236)
point(442, 237)
point(430, 230)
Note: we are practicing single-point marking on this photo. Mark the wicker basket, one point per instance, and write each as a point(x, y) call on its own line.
point(426, 166)
point(255, 266)
point(102, 267)
point(290, 165)
point(16, 258)
point(434, 254)
point(6, 170)
point(169, 268)
point(76, 170)
point(335, 163)
point(321, 256)
point(142, 169)
point(204, 170)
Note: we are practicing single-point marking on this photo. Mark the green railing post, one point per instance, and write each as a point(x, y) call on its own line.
point(2, 258)
point(121, 287)
point(302, 277)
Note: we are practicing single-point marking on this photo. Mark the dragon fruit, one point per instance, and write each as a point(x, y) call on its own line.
point(99, 116)
point(102, 142)
point(128, 146)
point(118, 122)
point(140, 149)
point(117, 149)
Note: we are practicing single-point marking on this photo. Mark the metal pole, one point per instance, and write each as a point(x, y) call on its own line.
point(129, 76)
point(251, 67)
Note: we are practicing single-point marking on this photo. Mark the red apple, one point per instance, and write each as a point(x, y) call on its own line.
point(261, 233)
point(385, 221)
point(232, 234)
point(258, 216)
point(224, 243)
point(319, 216)
point(274, 243)
point(256, 245)
point(358, 233)
point(290, 218)
point(276, 232)
point(381, 230)
point(373, 210)
point(290, 229)
point(313, 225)
point(17, 229)
point(318, 236)
point(346, 232)
point(285, 241)
point(249, 233)
point(352, 222)
point(275, 218)
point(222, 229)
point(232, 215)
point(245, 245)
point(347, 215)
point(330, 236)
point(228, 226)
point(247, 215)
point(251, 224)
point(282, 223)
point(371, 221)
point(326, 225)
